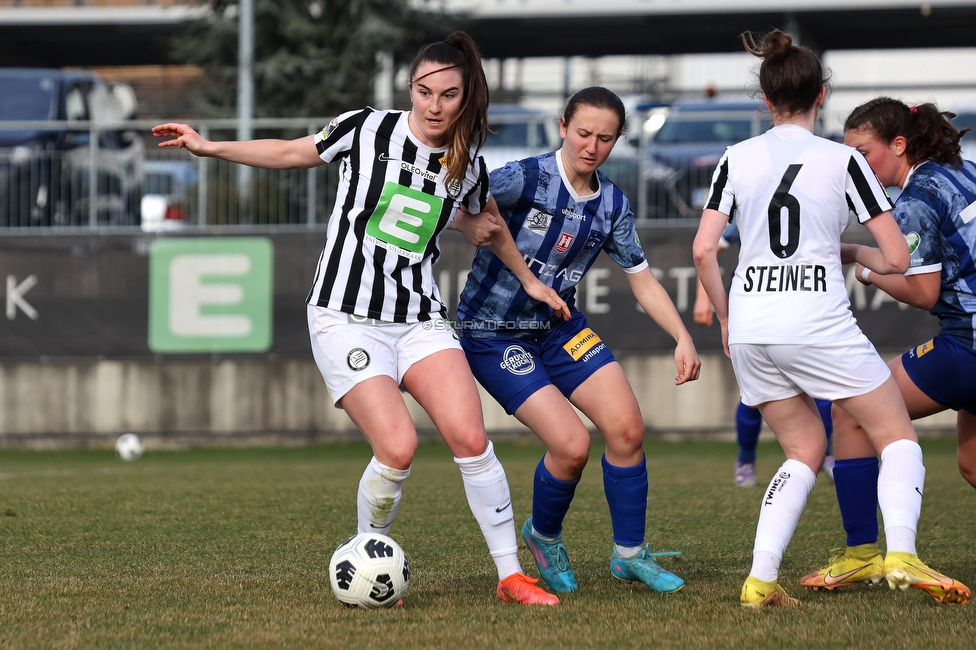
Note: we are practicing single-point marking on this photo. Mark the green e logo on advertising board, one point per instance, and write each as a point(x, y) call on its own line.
point(211, 294)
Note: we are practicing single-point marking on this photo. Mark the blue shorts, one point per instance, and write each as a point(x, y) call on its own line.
point(945, 370)
point(511, 370)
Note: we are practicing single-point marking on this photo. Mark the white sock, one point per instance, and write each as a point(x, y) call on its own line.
point(490, 500)
point(379, 496)
point(783, 501)
point(900, 485)
point(627, 552)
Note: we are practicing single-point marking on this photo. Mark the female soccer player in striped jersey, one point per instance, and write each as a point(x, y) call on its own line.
point(562, 212)
point(376, 320)
point(917, 149)
point(786, 322)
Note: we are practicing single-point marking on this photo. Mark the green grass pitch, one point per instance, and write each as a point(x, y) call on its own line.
point(229, 548)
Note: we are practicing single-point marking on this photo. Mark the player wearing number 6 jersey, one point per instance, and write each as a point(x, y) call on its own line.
point(786, 322)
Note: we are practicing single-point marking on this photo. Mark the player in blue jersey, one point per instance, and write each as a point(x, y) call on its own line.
point(917, 149)
point(748, 419)
point(562, 212)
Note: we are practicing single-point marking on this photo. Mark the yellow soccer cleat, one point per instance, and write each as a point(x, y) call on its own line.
point(756, 593)
point(904, 570)
point(849, 566)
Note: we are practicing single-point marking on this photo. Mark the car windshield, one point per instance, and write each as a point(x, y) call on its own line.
point(26, 98)
point(517, 134)
point(675, 131)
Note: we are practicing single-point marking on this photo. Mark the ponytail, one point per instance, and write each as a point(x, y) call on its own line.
point(470, 127)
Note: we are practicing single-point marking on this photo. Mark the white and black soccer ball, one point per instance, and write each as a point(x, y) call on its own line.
point(128, 446)
point(369, 570)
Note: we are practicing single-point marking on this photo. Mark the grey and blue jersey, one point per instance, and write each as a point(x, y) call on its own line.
point(559, 234)
point(937, 213)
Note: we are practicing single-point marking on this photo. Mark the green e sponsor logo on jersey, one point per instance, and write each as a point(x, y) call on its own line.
point(404, 221)
point(210, 294)
point(913, 239)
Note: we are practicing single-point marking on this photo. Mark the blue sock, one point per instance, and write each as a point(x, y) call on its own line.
point(823, 406)
point(748, 424)
point(626, 492)
point(550, 501)
point(856, 482)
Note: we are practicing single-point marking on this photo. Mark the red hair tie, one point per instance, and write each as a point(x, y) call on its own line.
point(913, 109)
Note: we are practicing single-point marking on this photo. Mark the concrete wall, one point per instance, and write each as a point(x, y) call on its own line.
point(231, 402)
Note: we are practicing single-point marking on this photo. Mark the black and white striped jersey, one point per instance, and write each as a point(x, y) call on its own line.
point(792, 194)
point(391, 206)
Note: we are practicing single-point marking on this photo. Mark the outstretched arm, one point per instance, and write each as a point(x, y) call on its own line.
point(503, 246)
point(657, 303)
point(269, 154)
point(919, 290)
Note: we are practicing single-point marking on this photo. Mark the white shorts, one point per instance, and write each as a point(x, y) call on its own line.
point(830, 371)
point(349, 349)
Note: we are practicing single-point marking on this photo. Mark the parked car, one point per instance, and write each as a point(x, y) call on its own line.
point(681, 156)
point(167, 194)
point(44, 169)
point(518, 132)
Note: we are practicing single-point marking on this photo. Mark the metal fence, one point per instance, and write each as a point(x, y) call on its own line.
point(112, 177)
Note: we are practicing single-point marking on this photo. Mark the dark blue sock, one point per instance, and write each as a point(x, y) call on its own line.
point(748, 424)
point(856, 482)
point(550, 501)
point(823, 406)
point(626, 492)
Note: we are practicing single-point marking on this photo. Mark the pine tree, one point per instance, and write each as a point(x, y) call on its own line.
point(311, 57)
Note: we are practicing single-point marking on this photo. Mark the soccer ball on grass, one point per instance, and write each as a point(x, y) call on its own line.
point(369, 570)
point(128, 446)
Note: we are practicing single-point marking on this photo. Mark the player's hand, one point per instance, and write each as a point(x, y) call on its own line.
point(858, 270)
point(725, 337)
point(542, 292)
point(185, 137)
point(476, 228)
point(702, 312)
point(686, 361)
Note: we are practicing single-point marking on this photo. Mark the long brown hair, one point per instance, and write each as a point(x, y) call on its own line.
point(928, 132)
point(470, 127)
point(790, 76)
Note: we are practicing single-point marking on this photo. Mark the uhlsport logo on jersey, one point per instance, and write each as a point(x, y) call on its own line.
point(582, 343)
point(404, 221)
point(517, 361)
point(210, 294)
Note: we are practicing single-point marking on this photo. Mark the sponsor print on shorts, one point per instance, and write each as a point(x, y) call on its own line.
point(582, 343)
point(517, 360)
point(404, 221)
point(928, 346)
point(357, 359)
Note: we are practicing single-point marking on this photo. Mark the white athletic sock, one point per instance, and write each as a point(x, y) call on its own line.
point(379, 496)
point(783, 501)
point(490, 500)
point(900, 484)
point(627, 552)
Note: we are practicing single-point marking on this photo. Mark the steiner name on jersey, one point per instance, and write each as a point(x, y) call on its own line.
point(785, 277)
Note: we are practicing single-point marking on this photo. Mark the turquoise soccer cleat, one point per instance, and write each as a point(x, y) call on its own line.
point(552, 560)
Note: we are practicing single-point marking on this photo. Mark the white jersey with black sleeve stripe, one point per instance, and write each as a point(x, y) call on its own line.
point(391, 206)
point(792, 194)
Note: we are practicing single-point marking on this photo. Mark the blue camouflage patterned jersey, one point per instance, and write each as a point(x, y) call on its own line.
point(559, 235)
point(937, 213)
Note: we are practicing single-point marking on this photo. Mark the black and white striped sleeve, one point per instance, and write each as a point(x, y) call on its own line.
point(720, 196)
point(865, 195)
point(340, 135)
